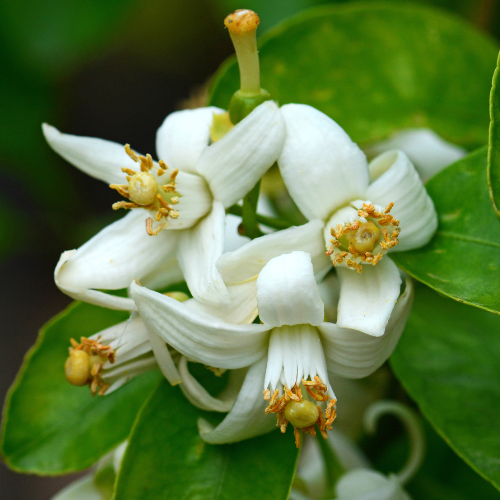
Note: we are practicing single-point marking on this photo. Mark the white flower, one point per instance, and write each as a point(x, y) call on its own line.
point(289, 355)
point(187, 200)
point(110, 358)
point(367, 211)
point(428, 152)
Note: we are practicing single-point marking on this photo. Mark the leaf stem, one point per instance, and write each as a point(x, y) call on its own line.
point(249, 213)
point(274, 222)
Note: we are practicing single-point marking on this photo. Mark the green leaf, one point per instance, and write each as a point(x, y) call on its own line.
point(51, 427)
point(378, 68)
point(166, 458)
point(494, 144)
point(463, 258)
point(447, 359)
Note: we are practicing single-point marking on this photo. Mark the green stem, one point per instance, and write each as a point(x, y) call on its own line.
point(249, 213)
point(273, 222)
point(334, 469)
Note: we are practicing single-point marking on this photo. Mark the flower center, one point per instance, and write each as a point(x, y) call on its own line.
point(355, 242)
point(365, 238)
point(303, 413)
point(85, 362)
point(143, 191)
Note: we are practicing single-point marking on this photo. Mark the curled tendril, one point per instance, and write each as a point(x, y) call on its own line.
point(413, 426)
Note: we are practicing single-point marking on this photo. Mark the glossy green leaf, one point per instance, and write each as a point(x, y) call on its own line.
point(166, 459)
point(51, 427)
point(462, 261)
point(494, 144)
point(443, 474)
point(378, 68)
point(447, 359)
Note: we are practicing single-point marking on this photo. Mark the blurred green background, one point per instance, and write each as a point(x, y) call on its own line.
point(113, 70)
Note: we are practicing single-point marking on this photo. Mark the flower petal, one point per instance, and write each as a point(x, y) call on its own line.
point(87, 295)
point(164, 275)
point(242, 308)
point(83, 488)
point(247, 418)
point(427, 150)
point(195, 199)
point(287, 293)
point(233, 165)
point(183, 137)
point(367, 299)
point(199, 336)
point(322, 168)
point(295, 353)
point(120, 253)
point(199, 249)
point(353, 354)
point(397, 181)
point(365, 484)
point(199, 396)
point(248, 261)
point(163, 357)
point(98, 158)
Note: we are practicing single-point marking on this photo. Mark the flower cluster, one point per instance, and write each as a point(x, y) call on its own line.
point(309, 327)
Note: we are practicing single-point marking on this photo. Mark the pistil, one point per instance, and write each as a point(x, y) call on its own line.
point(356, 241)
point(242, 26)
point(143, 191)
point(303, 414)
point(85, 362)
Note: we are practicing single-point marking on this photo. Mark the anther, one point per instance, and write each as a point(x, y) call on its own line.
point(129, 151)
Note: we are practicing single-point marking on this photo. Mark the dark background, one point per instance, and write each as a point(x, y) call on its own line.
point(113, 70)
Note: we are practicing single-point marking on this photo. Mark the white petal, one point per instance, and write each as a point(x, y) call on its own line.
point(164, 275)
point(95, 297)
point(120, 253)
point(428, 152)
point(354, 354)
point(287, 293)
point(163, 357)
point(233, 239)
point(198, 395)
point(322, 168)
point(199, 249)
point(183, 137)
point(81, 489)
point(295, 352)
point(364, 484)
point(233, 165)
point(329, 291)
point(96, 157)
point(367, 298)
point(248, 261)
point(195, 199)
point(397, 181)
point(199, 336)
point(247, 418)
point(242, 308)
